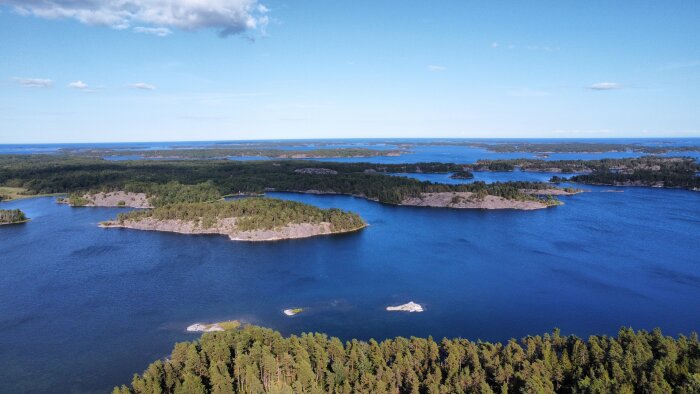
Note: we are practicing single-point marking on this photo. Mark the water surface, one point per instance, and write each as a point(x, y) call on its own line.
point(83, 308)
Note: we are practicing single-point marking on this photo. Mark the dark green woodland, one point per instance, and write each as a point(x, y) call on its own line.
point(259, 360)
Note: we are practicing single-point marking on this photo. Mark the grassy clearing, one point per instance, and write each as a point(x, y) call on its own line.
point(16, 193)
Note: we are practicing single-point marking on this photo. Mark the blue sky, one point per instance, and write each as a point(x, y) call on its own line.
point(88, 70)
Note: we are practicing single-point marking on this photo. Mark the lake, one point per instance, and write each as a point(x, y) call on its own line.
point(83, 308)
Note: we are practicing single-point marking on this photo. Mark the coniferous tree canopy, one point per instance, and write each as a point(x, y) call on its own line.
point(259, 360)
point(252, 214)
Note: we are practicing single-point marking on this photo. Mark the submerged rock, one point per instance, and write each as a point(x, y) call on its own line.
point(213, 327)
point(409, 307)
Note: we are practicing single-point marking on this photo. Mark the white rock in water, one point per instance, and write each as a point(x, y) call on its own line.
point(410, 307)
point(292, 312)
point(204, 328)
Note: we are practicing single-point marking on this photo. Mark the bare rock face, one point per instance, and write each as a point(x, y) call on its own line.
point(226, 226)
point(117, 199)
point(467, 200)
point(409, 307)
point(316, 171)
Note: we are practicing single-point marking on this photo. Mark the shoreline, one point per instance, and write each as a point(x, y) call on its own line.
point(294, 231)
point(20, 222)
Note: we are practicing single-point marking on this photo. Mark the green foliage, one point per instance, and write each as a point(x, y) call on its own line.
point(259, 360)
point(253, 213)
point(77, 200)
point(10, 216)
point(174, 192)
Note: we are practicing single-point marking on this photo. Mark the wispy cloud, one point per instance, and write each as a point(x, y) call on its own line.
point(155, 31)
point(436, 68)
point(606, 86)
point(227, 16)
point(142, 86)
point(34, 82)
point(82, 86)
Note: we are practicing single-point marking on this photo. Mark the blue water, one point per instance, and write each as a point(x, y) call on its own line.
point(488, 177)
point(83, 308)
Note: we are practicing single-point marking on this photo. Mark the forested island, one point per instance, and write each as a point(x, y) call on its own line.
point(259, 360)
point(177, 181)
point(558, 147)
point(12, 216)
point(248, 219)
point(582, 147)
point(672, 172)
point(222, 153)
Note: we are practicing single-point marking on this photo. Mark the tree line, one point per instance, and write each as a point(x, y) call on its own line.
point(259, 360)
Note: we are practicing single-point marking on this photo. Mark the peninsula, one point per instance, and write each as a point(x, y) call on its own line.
point(97, 182)
point(249, 219)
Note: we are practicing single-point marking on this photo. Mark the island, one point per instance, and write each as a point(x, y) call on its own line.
point(248, 219)
point(262, 151)
point(462, 174)
point(256, 359)
point(12, 216)
point(408, 307)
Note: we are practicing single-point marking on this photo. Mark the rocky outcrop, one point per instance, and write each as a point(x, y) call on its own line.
point(112, 199)
point(316, 171)
point(467, 200)
point(227, 226)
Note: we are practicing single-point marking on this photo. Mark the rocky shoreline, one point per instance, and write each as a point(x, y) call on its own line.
point(467, 200)
point(111, 200)
point(227, 227)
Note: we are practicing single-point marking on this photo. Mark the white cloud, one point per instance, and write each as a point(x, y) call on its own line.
point(34, 82)
point(435, 68)
point(80, 85)
point(83, 87)
point(606, 86)
point(495, 44)
point(156, 31)
point(142, 86)
point(227, 16)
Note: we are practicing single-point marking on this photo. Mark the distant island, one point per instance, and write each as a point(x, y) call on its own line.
point(543, 149)
point(12, 216)
point(260, 360)
point(249, 219)
point(222, 153)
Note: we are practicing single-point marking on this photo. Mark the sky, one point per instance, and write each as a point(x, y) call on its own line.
point(182, 70)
